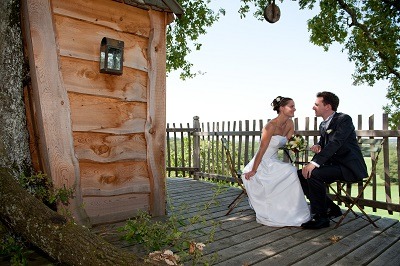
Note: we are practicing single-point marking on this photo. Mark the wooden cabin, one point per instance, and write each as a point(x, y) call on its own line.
point(101, 133)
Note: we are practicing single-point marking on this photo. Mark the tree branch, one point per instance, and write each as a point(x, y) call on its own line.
point(368, 34)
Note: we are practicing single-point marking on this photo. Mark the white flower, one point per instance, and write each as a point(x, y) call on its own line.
point(329, 131)
point(200, 246)
point(168, 252)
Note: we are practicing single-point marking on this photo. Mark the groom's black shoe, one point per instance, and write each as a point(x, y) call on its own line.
point(317, 222)
point(334, 211)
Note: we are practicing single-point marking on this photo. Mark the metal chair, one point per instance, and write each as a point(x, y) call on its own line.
point(369, 148)
point(235, 174)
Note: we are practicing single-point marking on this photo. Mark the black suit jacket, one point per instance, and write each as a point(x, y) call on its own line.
point(340, 146)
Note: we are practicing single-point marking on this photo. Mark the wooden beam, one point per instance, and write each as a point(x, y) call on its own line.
point(51, 103)
point(156, 122)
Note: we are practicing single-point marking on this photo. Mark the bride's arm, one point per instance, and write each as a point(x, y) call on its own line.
point(266, 136)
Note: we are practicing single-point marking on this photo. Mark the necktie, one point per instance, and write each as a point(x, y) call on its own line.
point(322, 127)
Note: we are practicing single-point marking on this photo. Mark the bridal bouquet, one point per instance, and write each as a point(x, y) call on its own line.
point(296, 143)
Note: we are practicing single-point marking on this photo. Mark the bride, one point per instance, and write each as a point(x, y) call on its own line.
point(272, 185)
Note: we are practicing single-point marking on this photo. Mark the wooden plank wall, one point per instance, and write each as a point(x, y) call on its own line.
point(111, 115)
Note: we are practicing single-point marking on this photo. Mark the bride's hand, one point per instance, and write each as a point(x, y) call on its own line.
point(249, 174)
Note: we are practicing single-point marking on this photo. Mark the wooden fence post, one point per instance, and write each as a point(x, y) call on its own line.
point(196, 146)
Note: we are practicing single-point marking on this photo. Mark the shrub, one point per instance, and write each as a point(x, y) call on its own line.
point(175, 234)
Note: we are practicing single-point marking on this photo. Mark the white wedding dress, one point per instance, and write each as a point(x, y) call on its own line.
point(275, 192)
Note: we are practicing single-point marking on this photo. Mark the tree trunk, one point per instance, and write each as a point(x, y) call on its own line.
point(62, 240)
point(14, 140)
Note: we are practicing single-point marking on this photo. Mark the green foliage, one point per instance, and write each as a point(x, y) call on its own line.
point(42, 188)
point(370, 32)
point(211, 156)
point(257, 5)
point(185, 32)
point(153, 235)
point(13, 246)
point(177, 232)
point(180, 155)
point(393, 107)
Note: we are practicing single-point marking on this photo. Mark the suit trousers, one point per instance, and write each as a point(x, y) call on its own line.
point(315, 187)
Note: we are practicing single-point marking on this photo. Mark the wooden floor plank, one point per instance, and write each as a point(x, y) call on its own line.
point(219, 213)
point(280, 252)
point(238, 238)
point(334, 251)
point(390, 256)
point(233, 227)
point(373, 248)
point(270, 235)
point(201, 197)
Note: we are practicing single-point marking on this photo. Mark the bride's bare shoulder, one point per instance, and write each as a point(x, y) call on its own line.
point(270, 125)
point(271, 122)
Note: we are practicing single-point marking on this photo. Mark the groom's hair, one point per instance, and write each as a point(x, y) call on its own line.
point(329, 98)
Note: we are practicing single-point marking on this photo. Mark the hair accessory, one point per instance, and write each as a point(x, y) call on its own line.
point(277, 100)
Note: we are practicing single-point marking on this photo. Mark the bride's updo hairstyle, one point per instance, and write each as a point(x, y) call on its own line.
point(280, 101)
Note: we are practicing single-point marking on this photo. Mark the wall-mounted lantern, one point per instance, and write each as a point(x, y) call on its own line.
point(111, 56)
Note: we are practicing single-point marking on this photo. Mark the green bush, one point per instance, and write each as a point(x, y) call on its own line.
point(41, 186)
point(176, 233)
point(13, 247)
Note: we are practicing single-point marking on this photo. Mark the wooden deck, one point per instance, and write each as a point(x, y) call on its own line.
point(240, 240)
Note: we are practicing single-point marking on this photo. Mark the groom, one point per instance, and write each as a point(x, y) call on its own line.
point(337, 156)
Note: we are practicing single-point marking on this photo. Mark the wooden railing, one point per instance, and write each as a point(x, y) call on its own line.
point(196, 151)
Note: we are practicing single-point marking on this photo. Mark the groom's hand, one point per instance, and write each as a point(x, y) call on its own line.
point(306, 171)
point(315, 148)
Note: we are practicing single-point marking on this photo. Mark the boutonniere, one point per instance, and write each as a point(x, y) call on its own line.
point(329, 131)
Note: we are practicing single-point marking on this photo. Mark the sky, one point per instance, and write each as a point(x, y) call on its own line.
point(247, 63)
